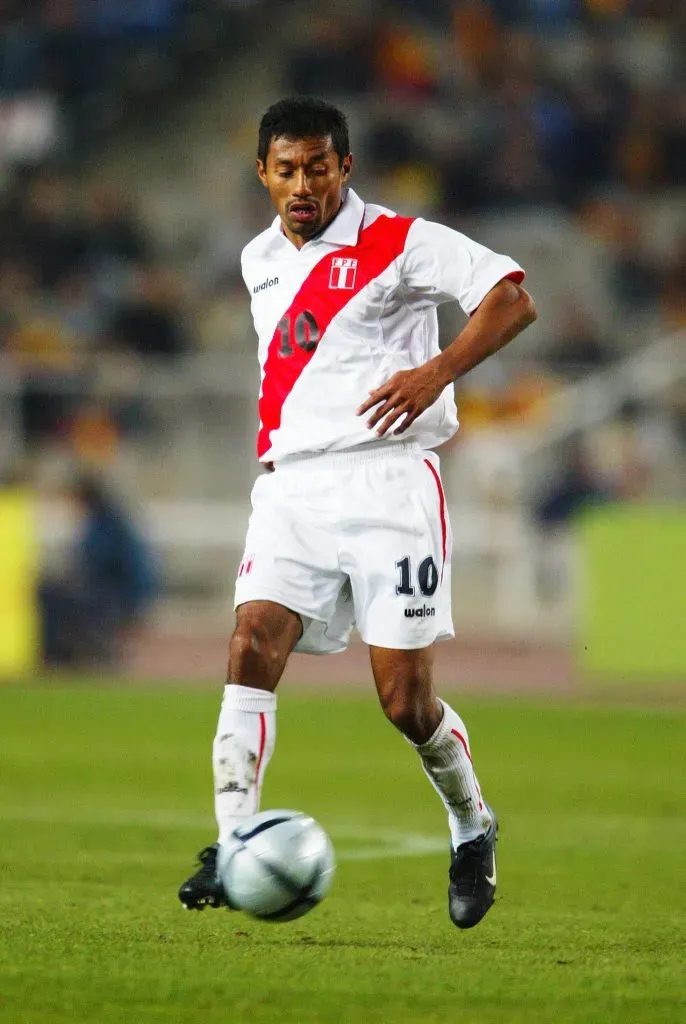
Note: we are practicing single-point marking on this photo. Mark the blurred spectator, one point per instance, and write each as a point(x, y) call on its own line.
point(633, 277)
point(224, 320)
point(390, 142)
point(332, 63)
point(464, 187)
point(673, 130)
point(517, 175)
point(114, 17)
point(78, 68)
point(575, 486)
point(113, 231)
point(404, 62)
point(434, 12)
point(674, 294)
point(578, 348)
point(88, 613)
point(78, 311)
point(151, 324)
point(45, 350)
point(48, 235)
point(628, 449)
point(30, 129)
point(21, 54)
point(600, 97)
point(638, 160)
point(116, 243)
point(407, 179)
point(478, 42)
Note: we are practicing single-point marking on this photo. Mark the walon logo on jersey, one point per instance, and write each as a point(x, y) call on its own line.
point(269, 283)
point(420, 613)
point(343, 272)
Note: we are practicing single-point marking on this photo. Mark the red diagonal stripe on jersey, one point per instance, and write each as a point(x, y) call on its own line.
point(377, 246)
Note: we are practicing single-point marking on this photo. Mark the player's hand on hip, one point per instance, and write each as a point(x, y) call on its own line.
point(406, 395)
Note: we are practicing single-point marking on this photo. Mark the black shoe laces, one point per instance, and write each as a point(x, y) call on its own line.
point(466, 865)
point(208, 859)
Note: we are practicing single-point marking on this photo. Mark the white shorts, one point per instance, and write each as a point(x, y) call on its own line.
point(353, 538)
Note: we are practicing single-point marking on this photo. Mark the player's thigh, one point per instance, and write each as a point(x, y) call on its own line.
point(399, 566)
point(290, 557)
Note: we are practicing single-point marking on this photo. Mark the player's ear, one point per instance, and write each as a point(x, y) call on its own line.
point(261, 172)
point(346, 166)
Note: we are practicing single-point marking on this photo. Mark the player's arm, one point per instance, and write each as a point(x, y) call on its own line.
point(505, 311)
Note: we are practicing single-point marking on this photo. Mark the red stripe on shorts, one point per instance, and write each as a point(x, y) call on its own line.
point(376, 248)
point(441, 508)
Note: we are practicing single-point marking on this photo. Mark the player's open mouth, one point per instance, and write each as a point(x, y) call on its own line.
point(303, 213)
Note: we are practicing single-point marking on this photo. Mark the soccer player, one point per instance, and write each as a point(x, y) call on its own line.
point(349, 523)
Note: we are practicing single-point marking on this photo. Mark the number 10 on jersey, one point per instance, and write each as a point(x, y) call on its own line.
point(301, 328)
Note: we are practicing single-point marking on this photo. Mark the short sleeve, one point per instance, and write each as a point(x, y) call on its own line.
point(440, 264)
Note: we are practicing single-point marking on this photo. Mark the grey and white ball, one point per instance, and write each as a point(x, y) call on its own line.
point(277, 866)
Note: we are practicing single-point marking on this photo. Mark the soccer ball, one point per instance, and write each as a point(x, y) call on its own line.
point(277, 866)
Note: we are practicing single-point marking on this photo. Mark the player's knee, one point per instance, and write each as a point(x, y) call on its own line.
point(405, 707)
point(251, 654)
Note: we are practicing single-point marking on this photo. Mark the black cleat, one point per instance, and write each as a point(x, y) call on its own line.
point(203, 889)
point(472, 878)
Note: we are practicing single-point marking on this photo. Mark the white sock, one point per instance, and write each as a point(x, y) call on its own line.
point(447, 762)
point(246, 732)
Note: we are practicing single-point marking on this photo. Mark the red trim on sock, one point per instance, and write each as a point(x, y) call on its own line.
point(444, 528)
point(463, 741)
point(263, 740)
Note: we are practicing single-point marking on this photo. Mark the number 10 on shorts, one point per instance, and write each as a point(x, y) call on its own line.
point(427, 577)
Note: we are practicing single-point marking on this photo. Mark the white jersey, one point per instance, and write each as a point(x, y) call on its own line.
point(338, 317)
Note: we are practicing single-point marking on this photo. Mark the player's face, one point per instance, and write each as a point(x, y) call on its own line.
point(305, 179)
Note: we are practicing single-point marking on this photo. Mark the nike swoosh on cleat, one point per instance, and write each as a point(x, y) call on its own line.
point(491, 878)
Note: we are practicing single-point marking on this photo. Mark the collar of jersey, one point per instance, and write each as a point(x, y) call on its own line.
point(344, 229)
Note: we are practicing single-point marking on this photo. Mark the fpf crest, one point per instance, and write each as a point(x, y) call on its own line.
point(343, 271)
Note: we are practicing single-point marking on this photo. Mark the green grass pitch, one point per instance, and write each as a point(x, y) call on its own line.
point(105, 798)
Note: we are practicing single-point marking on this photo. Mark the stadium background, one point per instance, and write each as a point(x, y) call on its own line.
point(555, 131)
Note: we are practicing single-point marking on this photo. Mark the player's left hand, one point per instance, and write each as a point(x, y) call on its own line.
point(407, 393)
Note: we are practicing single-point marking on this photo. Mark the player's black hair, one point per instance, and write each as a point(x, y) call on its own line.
point(303, 117)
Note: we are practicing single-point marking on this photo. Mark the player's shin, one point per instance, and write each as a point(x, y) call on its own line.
point(447, 762)
point(243, 745)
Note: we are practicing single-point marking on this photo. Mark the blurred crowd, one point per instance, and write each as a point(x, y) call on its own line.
point(87, 299)
point(70, 69)
point(545, 99)
point(83, 299)
point(460, 109)
point(485, 105)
